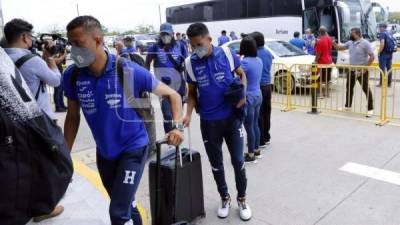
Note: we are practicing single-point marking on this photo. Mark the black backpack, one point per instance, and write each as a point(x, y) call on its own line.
point(390, 43)
point(35, 163)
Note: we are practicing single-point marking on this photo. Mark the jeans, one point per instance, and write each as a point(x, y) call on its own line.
point(214, 132)
point(364, 81)
point(121, 178)
point(385, 63)
point(59, 97)
point(264, 120)
point(251, 122)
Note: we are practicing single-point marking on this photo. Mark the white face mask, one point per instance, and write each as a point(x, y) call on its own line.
point(166, 39)
point(200, 51)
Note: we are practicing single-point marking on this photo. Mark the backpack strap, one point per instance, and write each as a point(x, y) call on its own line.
point(20, 62)
point(229, 56)
point(189, 69)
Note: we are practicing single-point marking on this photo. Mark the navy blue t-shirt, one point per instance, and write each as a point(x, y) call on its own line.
point(213, 76)
point(115, 126)
point(385, 36)
point(266, 58)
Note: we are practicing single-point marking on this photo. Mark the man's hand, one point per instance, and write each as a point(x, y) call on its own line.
point(186, 120)
point(175, 137)
point(241, 103)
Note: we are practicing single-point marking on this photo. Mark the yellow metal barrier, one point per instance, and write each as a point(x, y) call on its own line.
point(335, 88)
point(282, 85)
point(392, 109)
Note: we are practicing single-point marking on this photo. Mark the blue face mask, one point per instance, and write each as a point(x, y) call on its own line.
point(82, 57)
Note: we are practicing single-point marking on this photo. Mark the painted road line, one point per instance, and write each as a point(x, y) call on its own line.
point(372, 172)
point(94, 178)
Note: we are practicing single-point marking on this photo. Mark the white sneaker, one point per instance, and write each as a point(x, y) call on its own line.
point(370, 113)
point(244, 210)
point(345, 109)
point(223, 209)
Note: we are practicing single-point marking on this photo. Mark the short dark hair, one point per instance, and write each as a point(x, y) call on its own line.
point(89, 23)
point(15, 28)
point(259, 38)
point(356, 30)
point(223, 32)
point(128, 39)
point(248, 47)
point(197, 29)
point(296, 34)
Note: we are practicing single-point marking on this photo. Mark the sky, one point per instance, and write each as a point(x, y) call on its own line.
point(119, 15)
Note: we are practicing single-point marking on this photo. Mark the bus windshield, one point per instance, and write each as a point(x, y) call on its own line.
point(284, 49)
point(351, 15)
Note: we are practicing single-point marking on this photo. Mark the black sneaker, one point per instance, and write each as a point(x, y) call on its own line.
point(249, 159)
point(61, 109)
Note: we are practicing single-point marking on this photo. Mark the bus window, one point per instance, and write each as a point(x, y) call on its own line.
point(259, 8)
point(310, 20)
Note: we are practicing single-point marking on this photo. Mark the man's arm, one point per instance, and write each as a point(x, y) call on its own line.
point(317, 57)
point(339, 47)
point(48, 73)
point(150, 57)
point(382, 46)
point(175, 137)
point(371, 58)
point(71, 124)
point(149, 60)
point(192, 95)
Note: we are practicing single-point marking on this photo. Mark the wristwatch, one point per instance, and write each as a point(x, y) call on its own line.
point(178, 126)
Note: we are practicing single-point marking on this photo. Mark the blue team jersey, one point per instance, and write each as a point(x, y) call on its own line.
point(253, 67)
point(298, 42)
point(161, 59)
point(212, 77)
point(223, 39)
point(115, 126)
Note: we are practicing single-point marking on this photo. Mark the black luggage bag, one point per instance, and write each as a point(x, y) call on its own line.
point(176, 186)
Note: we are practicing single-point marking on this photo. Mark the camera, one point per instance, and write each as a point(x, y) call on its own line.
point(45, 40)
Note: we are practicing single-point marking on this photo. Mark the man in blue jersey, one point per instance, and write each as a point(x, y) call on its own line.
point(297, 41)
point(223, 38)
point(168, 56)
point(210, 73)
point(94, 85)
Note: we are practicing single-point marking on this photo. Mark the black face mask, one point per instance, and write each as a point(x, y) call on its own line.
point(33, 47)
point(352, 38)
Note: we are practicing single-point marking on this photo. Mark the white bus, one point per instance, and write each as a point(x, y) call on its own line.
point(340, 16)
point(279, 19)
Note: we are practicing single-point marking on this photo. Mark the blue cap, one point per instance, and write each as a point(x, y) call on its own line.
point(383, 25)
point(166, 28)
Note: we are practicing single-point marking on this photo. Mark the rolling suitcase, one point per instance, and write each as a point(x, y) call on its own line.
point(176, 186)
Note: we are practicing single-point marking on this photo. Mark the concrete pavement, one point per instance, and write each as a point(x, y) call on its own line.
point(298, 182)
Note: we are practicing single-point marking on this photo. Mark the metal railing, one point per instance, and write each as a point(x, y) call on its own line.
point(342, 89)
